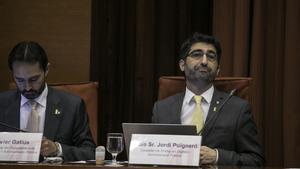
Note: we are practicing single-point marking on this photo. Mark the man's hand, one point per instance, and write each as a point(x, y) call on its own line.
point(207, 155)
point(48, 148)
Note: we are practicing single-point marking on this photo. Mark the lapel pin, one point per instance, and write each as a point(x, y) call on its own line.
point(218, 102)
point(57, 112)
point(215, 109)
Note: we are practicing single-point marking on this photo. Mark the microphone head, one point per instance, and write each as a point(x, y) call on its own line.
point(232, 91)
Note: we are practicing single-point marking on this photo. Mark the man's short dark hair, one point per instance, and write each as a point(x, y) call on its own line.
point(29, 52)
point(196, 38)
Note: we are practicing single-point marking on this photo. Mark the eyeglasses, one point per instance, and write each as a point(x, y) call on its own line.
point(200, 53)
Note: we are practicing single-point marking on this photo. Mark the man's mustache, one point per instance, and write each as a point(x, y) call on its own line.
point(201, 67)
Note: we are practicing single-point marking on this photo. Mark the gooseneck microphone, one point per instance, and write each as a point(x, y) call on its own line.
point(220, 107)
point(229, 96)
point(11, 127)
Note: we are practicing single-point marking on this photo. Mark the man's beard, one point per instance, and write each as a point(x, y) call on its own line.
point(195, 75)
point(32, 94)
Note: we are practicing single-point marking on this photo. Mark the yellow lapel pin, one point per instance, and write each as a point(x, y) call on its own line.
point(57, 112)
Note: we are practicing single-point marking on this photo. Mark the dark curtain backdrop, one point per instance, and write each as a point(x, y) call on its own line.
point(260, 39)
point(136, 41)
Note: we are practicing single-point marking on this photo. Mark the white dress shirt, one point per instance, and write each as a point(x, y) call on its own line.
point(25, 109)
point(189, 104)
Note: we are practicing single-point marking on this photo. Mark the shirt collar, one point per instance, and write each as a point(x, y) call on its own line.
point(207, 95)
point(41, 100)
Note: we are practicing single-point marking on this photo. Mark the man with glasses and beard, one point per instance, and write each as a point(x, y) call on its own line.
point(36, 107)
point(229, 136)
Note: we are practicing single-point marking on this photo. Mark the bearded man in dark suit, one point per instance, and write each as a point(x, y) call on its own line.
point(60, 116)
point(229, 136)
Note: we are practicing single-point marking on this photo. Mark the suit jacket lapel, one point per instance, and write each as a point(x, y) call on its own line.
point(213, 112)
point(52, 116)
point(12, 113)
point(176, 108)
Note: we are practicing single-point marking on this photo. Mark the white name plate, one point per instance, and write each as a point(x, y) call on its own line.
point(17, 146)
point(149, 149)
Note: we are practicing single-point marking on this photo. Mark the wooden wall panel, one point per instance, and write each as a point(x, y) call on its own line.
point(62, 27)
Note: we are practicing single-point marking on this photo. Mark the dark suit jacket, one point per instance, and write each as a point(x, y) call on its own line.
point(70, 127)
point(231, 130)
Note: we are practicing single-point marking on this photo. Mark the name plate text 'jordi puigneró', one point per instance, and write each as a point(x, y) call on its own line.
point(181, 150)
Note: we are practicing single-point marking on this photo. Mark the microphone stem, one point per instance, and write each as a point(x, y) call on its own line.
point(12, 127)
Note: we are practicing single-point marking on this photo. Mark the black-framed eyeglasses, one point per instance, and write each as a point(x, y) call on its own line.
point(200, 53)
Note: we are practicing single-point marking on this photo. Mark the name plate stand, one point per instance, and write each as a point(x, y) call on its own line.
point(17, 146)
point(180, 150)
